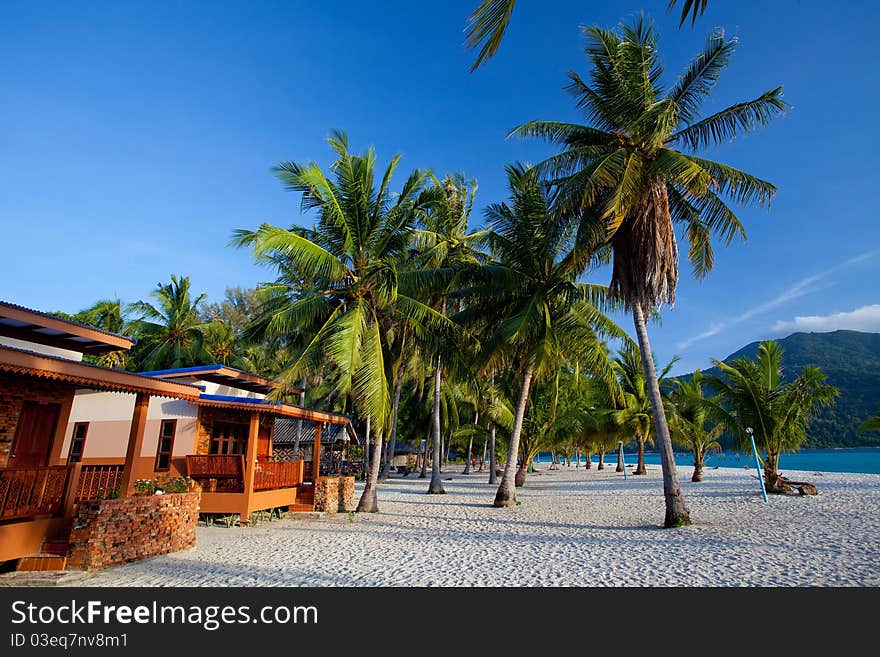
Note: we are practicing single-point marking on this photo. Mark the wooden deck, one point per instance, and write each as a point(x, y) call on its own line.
point(275, 483)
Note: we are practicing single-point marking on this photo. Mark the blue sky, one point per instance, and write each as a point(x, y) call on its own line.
point(135, 138)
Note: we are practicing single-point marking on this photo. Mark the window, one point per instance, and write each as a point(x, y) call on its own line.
point(166, 445)
point(78, 443)
point(228, 438)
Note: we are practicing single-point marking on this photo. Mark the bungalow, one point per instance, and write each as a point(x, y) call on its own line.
point(232, 440)
point(75, 439)
point(41, 373)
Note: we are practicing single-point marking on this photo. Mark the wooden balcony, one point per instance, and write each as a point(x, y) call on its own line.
point(277, 482)
point(225, 472)
point(30, 492)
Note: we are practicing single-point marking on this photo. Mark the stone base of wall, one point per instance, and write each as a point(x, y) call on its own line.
point(334, 494)
point(346, 494)
point(111, 532)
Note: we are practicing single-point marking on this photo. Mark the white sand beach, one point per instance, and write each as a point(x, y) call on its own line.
point(573, 528)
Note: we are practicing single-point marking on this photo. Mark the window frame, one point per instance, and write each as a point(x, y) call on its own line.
point(236, 435)
point(159, 451)
point(81, 441)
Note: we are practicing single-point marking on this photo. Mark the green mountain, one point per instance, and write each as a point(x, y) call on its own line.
point(851, 361)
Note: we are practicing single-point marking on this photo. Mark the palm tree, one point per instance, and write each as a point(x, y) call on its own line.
point(624, 177)
point(636, 413)
point(488, 23)
point(755, 396)
point(528, 307)
point(689, 412)
point(107, 315)
point(171, 332)
point(871, 424)
point(349, 262)
point(442, 243)
point(221, 341)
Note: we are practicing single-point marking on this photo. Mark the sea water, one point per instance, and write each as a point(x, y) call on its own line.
point(856, 459)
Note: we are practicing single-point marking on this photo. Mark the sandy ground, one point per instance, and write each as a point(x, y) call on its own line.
point(573, 528)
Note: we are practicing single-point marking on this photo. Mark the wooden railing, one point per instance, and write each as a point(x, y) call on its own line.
point(225, 472)
point(217, 473)
point(27, 492)
point(271, 473)
point(215, 466)
point(99, 481)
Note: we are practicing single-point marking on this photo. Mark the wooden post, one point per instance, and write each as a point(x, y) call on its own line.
point(250, 464)
point(57, 445)
point(135, 443)
point(316, 453)
point(73, 476)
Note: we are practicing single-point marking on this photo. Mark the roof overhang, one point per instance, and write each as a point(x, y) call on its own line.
point(273, 408)
point(94, 377)
point(224, 375)
point(41, 328)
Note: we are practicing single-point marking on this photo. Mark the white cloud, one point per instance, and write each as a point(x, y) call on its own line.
point(866, 318)
point(803, 287)
point(714, 329)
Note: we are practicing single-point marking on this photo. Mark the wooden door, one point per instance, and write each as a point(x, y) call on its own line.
point(264, 441)
point(34, 434)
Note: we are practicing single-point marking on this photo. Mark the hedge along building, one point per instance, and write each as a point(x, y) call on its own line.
point(41, 373)
point(231, 439)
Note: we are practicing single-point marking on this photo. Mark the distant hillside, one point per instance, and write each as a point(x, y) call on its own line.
point(851, 360)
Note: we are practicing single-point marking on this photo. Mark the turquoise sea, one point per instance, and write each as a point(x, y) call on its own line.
point(857, 459)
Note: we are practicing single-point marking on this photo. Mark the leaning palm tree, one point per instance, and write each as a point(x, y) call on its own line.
point(528, 307)
point(350, 262)
point(871, 424)
point(756, 396)
point(170, 331)
point(488, 23)
point(689, 412)
point(629, 177)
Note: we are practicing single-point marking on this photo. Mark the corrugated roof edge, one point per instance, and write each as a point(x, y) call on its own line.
point(68, 321)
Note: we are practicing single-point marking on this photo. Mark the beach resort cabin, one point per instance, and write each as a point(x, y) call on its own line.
point(42, 478)
point(240, 447)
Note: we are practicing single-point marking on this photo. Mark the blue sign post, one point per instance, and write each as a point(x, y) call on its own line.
point(751, 433)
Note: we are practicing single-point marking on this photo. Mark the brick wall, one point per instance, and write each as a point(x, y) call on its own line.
point(334, 494)
point(14, 389)
point(111, 532)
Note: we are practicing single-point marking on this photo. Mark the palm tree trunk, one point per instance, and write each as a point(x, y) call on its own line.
point(424, 472)
point(619, 457)
point(506, 495)
point(601, 465)
point(698, 466)
point(436, 487)
point(467, 465)
point(392, 442)
point(483, 457)
point(368, 502)
point(493, 473)
point(577, 461)
point(589, 462)
point(299, 423)
point(676, 510)
point(367, 450)
point(640, 466)
point(773, 482)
